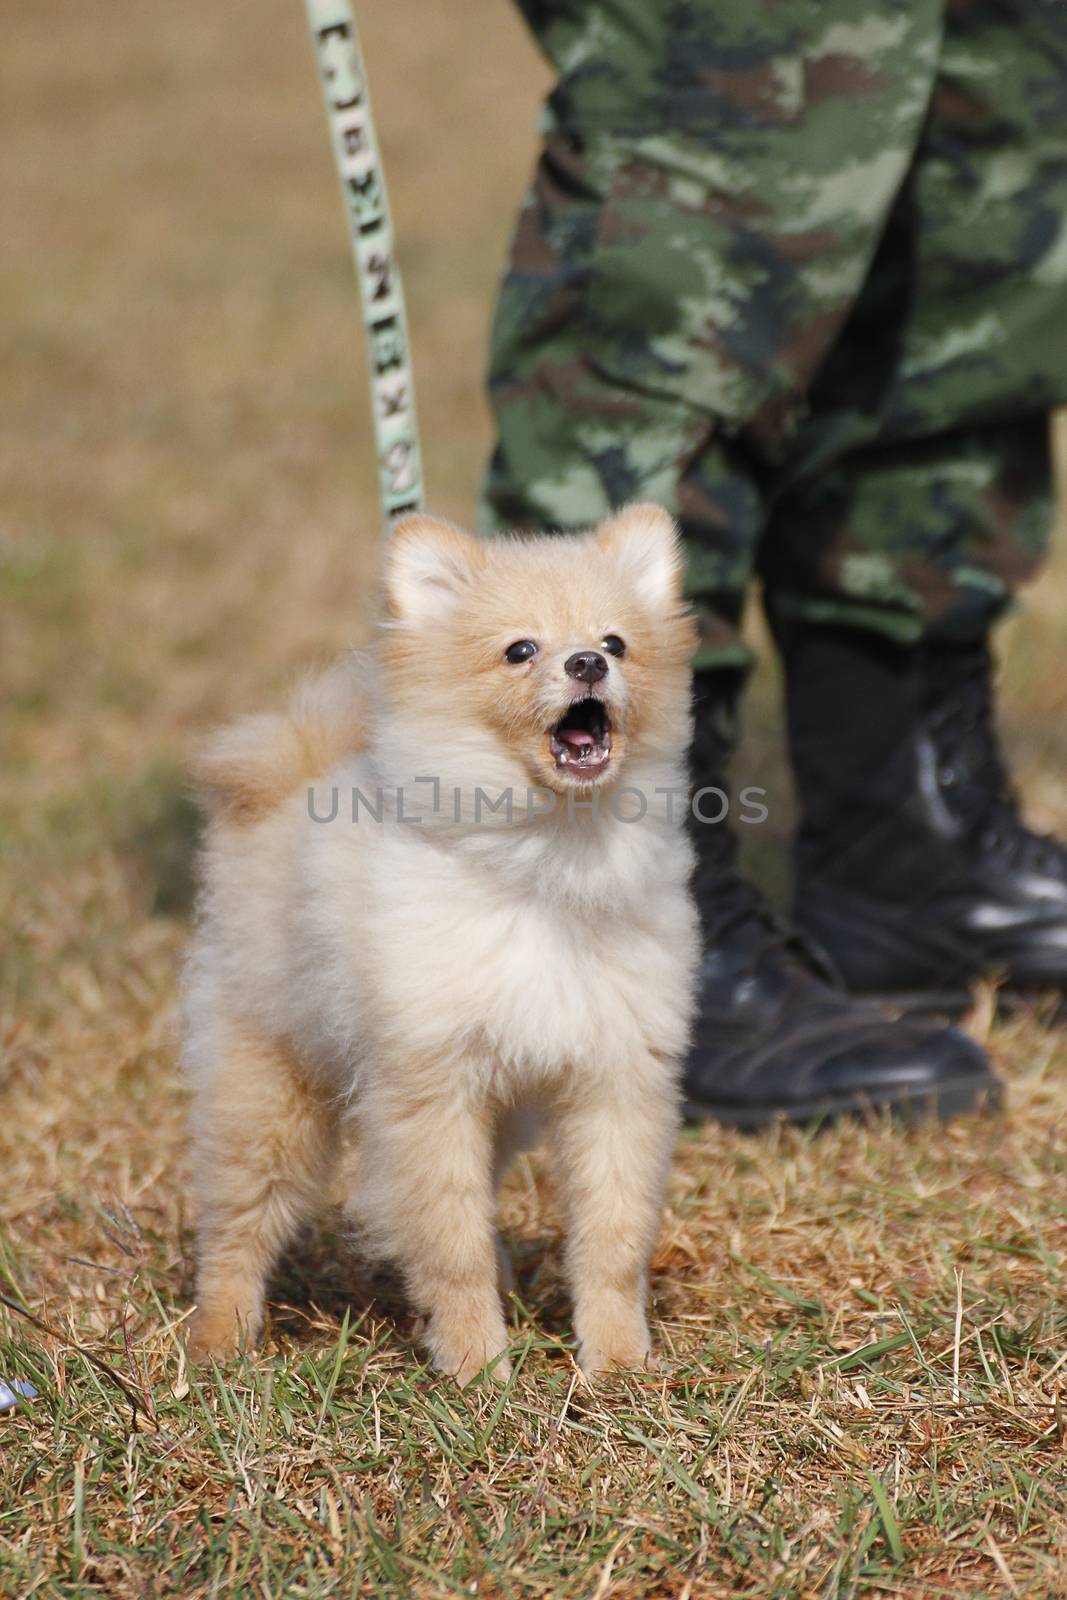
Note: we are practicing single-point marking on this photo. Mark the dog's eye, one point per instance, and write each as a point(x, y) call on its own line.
point(613, 645)
point(521, 650)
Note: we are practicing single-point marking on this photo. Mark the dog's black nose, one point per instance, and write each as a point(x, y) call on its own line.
point(588, 666)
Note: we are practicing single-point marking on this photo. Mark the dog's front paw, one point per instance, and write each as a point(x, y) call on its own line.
point(217, 1333)
point(470, 1368)
point(464, 1352)
point(600, 1360)
point(616, 1343)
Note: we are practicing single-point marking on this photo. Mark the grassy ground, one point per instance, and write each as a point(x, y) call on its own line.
point(866, 1331)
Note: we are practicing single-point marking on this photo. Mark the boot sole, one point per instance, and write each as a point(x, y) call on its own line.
point(950, 1005)
point(839, 921)
point(956, 1098)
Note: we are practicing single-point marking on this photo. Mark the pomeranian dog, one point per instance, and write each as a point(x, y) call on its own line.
point(445, 913)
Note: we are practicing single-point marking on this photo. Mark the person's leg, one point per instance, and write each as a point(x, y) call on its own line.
point(923, 500)
point(575, 440)
point(914, 867)
point(712, 188)
point(711, 191)
point(893, 556)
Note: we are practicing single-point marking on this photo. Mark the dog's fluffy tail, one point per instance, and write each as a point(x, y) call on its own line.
point(247, 769)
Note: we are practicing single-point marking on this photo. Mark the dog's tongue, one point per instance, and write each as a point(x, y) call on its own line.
point(577, 738)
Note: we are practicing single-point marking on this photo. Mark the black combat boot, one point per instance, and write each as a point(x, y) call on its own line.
point(919, 875)
point(777, 1036)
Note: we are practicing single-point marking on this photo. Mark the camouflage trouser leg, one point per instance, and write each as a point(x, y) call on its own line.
point(800, 273)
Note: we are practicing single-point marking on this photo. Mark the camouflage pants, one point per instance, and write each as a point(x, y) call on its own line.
point(797, 269)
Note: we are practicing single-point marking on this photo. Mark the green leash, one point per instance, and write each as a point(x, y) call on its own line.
point(359, 166)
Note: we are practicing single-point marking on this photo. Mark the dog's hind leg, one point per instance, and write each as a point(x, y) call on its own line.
point(613, 1141)
point(263, 1149)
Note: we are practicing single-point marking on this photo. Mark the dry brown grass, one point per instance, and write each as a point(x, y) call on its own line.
point(187, 516)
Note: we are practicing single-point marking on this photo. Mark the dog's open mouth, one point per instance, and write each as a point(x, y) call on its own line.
point(581, 741)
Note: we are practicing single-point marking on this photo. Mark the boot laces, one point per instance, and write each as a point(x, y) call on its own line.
point(972, 771)
point(731, 907)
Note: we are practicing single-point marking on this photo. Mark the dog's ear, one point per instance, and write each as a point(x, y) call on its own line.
point(428, 564)
point(644, 540)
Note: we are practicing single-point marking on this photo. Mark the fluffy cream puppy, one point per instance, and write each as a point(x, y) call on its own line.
point(445, 913)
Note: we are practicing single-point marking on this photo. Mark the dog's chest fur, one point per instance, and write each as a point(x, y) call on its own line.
point(522, 954)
